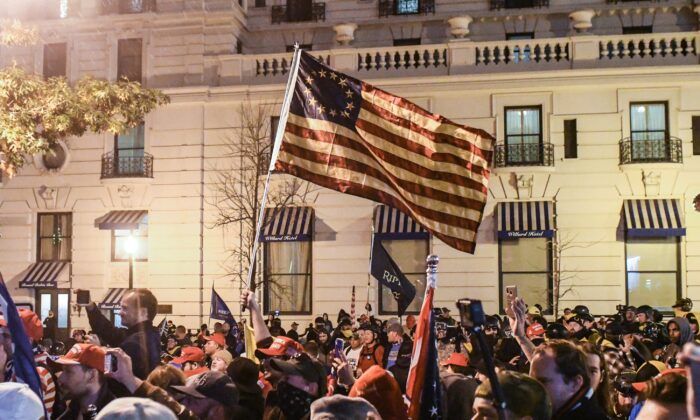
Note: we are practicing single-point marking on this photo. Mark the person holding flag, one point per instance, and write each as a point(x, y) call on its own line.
point(219, 310)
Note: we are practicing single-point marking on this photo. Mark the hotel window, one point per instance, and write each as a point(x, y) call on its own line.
point(527, 264)
point(521, 48)
point(129, 59)
point(55, 60)
point(129, 151)
point(287, 250)
point(407, 7)
point(649, 130)
point(523, 135)
point(408, 244)
point(124, 240)
point(54, 236)
point(525, 232)
point(652, 268)
point(653, 228)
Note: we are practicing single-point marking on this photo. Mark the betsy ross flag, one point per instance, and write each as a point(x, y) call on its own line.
point(23, 357)
point(423, 387)
point(344, 134)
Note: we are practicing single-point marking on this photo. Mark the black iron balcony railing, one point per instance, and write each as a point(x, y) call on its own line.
point(124, 7)
point(403, 7)
point(518, 4)
point(668, 149)
point(524, 154)
point(282, 14)
point(127, 166)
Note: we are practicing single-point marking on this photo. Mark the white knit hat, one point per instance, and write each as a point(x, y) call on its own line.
point(135, 409)
point(19, 402)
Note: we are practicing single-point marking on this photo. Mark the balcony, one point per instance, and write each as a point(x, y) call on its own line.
point(669, 150)
point(518, 4)
point(124, 7)
point(524, 154)
point(127, 166)
point(316, 13)
point(405, 7)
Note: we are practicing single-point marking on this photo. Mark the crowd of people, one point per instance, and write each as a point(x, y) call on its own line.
point(631, 365)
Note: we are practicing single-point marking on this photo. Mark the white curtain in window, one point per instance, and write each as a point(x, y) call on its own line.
point(289, 276)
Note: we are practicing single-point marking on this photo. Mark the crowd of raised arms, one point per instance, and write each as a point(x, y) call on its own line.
point(634, 364)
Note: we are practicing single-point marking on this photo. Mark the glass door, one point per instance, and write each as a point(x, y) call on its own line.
point(58, 302)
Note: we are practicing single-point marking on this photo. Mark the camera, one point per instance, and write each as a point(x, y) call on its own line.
point(621, 308)
point(471, 313)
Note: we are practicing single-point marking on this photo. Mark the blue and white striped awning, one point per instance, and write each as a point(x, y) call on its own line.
point(113, 299)
point(390, 223)
point(288, 224)
point(520, 219)
point(656, 217)
point(122, 220)
point(43, 274)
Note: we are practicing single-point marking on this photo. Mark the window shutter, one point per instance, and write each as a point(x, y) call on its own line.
point(696, 135)
point(570, 139)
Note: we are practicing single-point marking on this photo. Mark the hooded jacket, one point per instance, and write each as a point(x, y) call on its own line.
point(686, 336)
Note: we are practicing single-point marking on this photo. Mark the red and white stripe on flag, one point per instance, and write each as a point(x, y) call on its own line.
point(419, 357)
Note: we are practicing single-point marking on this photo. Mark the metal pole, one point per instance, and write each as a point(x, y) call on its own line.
point(131, 271)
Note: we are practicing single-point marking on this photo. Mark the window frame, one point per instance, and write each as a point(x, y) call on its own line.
point(123, 67)
point(679, 279)
point(397, 7)
point(540, 135)
point(666, 131)
point(380, 298)
point(55, 216)
point(114, 242)
point(49, 49)
point(548, 310)
point(266, 285)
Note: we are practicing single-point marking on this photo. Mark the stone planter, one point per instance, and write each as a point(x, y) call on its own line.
point(345, 33)
point(459, 26)
point(582, 19)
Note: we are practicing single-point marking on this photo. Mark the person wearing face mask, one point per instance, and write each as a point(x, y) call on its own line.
point(301, 382)
point(344, 331)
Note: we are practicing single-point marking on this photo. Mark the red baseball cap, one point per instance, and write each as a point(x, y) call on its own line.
point(218, 338)
point(32, 324)
point(282, 346)
point(190, 354)
point(535, 330)
point(84, 354)
point(457, 359)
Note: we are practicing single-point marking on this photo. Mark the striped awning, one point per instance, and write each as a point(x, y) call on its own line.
point(390, 223)
point(656, 217)
point(288, 224)
point(531, 219)
point(43, 274)
point(122, 219)
point(113, 299)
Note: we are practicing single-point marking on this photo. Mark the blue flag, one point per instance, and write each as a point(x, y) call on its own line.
point(389, 274)
point(23, 357)
point(219, 310)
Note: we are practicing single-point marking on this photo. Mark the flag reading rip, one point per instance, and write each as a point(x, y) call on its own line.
point(385, 269)
point(423, 388)
point(344, 134)
point(23, 357)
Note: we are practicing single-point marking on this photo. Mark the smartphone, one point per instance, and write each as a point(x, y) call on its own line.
point(511, 294)
point(471, 313)
point(83, 297)
point(339, 344)
point(110, 363)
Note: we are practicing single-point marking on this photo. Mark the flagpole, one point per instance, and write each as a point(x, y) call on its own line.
point(284, 114)
point(369, 268)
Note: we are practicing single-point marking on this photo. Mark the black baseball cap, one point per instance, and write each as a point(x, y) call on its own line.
point(302, 364)
point(214, 385)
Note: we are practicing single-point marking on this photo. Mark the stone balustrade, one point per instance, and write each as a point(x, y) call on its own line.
point(466, 57)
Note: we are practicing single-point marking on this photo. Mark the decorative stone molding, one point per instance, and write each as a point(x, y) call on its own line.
point(459, 26)
point(582, 19)
point(345, 33)
point(40, 163)
point(652, 183)
point(125, 192)
point(48, 195)
point(524, 184)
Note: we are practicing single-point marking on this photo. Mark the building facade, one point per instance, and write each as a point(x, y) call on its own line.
point(595, 107)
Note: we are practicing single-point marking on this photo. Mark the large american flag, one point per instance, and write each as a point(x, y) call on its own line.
point(423, 388)
point(347, 135)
